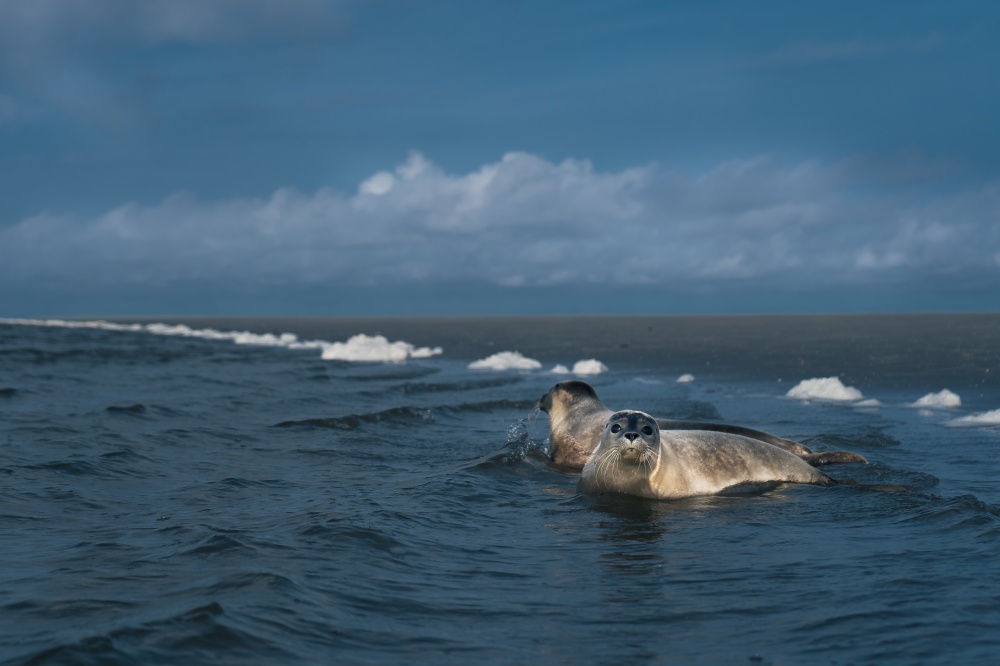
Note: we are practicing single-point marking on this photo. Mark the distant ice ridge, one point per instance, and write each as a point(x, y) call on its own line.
point(984, 418)
point(361, 347)
point(943, 399)
point(824, 388)
point(508, 360)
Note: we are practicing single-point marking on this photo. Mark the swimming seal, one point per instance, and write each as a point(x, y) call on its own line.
point(577, 418)
point(635, 458)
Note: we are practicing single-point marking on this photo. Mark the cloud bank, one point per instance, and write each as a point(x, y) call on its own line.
point(526, 221)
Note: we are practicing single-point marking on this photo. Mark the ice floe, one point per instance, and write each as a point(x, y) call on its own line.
point(870, 402)
point(590, 366)
point(983, 418)
point(361, 347)
point(824, 388)
point(943, 399)
point(505, 360)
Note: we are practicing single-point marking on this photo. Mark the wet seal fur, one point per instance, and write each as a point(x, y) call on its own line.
point(577, 418)
point(635, 458)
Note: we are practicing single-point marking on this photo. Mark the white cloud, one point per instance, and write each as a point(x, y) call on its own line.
point(525, 221)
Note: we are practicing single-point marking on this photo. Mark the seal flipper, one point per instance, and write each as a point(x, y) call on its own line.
point(749, 488)
point(833, 458)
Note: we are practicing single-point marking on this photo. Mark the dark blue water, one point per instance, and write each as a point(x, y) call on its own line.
point(169, 499)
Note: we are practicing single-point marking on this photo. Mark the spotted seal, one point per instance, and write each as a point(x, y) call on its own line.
point(635, 458)
point(577, 418)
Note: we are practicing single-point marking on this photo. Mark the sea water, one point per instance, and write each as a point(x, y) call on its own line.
point(376, 491)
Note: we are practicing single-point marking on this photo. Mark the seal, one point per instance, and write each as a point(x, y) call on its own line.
point(577, 418)
point(635, 458)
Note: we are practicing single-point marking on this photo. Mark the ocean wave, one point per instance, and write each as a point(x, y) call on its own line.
point(990, 418)
point(956, 512)
point(488, 406)
point(398, 415)
point(943, 399)
point(184, 637)
point(137, 408)
point(868, 437)
point(686, 378)
point(824, 388)
point(456, 386)
point(358, 348)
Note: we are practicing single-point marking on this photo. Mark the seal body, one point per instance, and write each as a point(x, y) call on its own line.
point(577, 418)
point(635, 457)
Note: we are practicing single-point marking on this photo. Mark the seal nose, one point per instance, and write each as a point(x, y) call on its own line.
point(631, 436)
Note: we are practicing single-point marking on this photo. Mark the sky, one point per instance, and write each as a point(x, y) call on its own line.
point(340, 157)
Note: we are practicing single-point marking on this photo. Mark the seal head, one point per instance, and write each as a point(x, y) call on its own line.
point(627, 456)
point(576, 418)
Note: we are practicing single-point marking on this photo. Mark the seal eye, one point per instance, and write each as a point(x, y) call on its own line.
point(647, 431)
point(616, 428)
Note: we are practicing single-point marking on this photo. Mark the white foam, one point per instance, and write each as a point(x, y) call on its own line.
point(984, 418)
point(686, 378)
point(358, 348)
point(824, 388)
point(505, 360)
point(943, 399)
point(590, 366)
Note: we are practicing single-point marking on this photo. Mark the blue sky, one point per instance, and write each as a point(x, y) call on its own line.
point(447, 157)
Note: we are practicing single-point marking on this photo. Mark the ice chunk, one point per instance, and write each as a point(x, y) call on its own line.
point(590, 366)
point(824, 388)
point(943, 399)
point(505, 360)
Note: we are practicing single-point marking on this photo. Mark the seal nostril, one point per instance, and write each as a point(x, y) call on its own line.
point(631, 436)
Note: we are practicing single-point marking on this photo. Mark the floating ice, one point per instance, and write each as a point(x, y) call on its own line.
point(985, 418)
point(505, 360)
point(590, 366)
point(870, 402)
point(358, 348)
point(363, 347)
point(560, 369)
point(944, 399)
point(824, 388)
point(686, 378)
